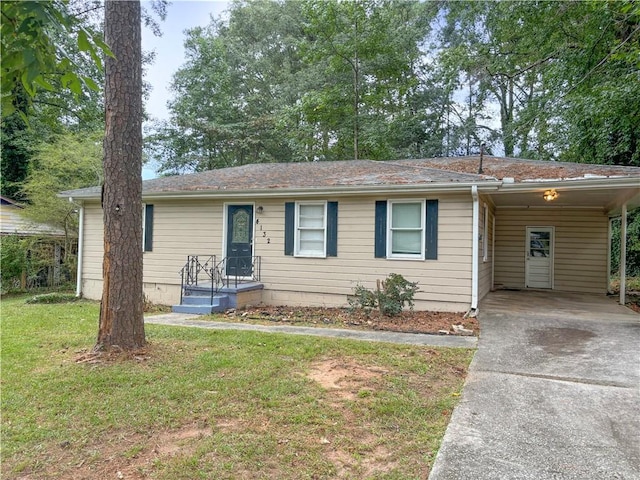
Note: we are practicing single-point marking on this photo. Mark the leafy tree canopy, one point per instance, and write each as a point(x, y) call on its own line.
point(68, 162)
point(32, 59)
point(308, 80)
point(294, 81)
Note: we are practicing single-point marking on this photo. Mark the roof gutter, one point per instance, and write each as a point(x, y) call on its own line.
point(445, 187)
point(577, 184)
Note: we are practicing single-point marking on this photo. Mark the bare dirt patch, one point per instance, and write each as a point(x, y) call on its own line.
point(345, 379)
point(122, 456)
point(407, 321)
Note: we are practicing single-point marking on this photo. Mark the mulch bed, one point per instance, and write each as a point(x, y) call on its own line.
point(407, 322)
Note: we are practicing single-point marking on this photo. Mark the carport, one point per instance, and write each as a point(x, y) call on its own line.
point(556, 234)
point(553, 392)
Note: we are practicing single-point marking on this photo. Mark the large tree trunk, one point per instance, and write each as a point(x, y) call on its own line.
point(121, 310)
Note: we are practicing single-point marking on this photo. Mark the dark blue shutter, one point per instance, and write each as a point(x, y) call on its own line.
point(148, 228)
point(431, 231)
point(332, 229)
point(289, 225)
point(381, 229)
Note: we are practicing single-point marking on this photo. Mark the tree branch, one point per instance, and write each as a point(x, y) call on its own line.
point(601, 62)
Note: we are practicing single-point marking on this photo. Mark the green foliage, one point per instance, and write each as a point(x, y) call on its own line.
point(390, 296)
point(67, 162)
point(31, 262)
point(13, 260)
point(633, 245)
point(298, 81)
point(33, 60)
point(53, 297)
point(564, 75)
point(363, 299)
point(17, 149)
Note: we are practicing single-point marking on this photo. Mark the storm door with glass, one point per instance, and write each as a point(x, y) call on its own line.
point(239, 240)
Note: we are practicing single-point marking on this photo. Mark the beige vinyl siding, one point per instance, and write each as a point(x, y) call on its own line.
point(180, 228)
point(183, 227)
point(92, 252)
point(485, 267)
point(444, 283)
point(580, 250)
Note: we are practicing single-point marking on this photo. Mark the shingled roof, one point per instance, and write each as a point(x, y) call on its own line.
point(318, 176)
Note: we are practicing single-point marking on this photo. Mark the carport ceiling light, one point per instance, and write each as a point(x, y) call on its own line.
point(550, 195)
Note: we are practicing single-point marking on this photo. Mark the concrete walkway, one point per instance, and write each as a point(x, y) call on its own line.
point(553, 392)
point(186, 320)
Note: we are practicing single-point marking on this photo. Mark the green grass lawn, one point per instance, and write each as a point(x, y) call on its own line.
point(216, 404)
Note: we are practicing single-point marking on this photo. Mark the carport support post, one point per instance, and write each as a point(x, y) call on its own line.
point(623, 254)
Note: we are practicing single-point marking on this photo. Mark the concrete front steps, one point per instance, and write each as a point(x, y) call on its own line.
point(202, 304)
point(197, 299)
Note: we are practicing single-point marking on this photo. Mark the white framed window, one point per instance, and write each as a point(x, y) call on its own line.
point(405, 232)
point(311, 229)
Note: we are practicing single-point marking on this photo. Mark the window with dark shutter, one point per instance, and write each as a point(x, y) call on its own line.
point(289, 227)
point(148, 228)
point(381, 229)
point(311, 229)
point(431, 231)
point(332, 229)
point(406, 229)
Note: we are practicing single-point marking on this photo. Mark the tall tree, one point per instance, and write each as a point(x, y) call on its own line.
point(299, 81)
point(365, 58)
point(121, 310)
point(597, 83)
point(563, 74)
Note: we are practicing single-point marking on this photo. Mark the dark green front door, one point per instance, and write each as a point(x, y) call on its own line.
point(239, 240)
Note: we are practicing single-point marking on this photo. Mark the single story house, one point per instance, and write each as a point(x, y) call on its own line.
point(308, 233)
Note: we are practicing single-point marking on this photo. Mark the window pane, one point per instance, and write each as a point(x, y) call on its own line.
point(312, 241)
point(311, 216)
point(406, 242)
point(540, 244)
point(406, 215)
point(312, 235)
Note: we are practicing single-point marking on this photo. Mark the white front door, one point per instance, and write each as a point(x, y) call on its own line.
point(539, 257)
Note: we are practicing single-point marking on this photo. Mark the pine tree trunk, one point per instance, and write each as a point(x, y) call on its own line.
point(121, 310)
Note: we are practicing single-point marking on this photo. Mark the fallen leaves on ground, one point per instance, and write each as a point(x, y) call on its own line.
point(408, 321)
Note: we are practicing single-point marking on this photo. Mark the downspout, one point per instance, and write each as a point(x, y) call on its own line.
point(80, 251)
point(475, 231)
point(609, 238)
point(623, 254)
point(493, 251)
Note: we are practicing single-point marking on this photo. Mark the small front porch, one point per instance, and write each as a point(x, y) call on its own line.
point(209, 285)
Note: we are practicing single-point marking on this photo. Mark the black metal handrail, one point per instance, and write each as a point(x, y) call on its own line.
point(228, 271)
point(237, 270)
point(198, 268)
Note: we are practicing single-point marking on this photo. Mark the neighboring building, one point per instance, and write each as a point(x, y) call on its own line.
point(13, 222)
point(308, 233)
point(47, 240)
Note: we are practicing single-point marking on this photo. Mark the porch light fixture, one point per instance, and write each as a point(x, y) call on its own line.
point(260, 209)
point(550, 195)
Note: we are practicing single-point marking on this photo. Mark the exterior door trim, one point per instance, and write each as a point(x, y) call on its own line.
point(225, 230)
point(530, 259)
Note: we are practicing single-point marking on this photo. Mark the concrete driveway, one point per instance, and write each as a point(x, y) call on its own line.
point(552, 393)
